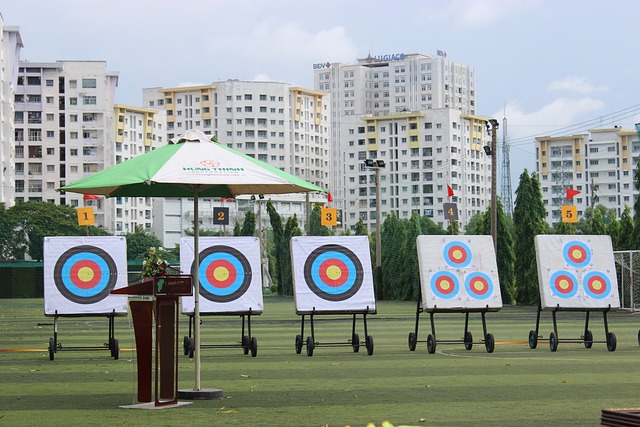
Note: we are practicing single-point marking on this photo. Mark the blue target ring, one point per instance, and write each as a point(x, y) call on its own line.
point(576, 254)
point(457, 254)
point(478, 285)
point(333, 272)
point(85, 274)
point(597, 285)
point(563, 284)
point(445, 285)
point(224, 273)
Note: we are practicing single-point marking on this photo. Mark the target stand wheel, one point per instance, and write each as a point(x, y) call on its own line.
point(185, 345)
point(431, 343)
point(254, 346)
point(553, 341)
point(369, 344)
point(490, 343)
point(468, 340)
point(310, 346)
point(588, 339)
point(413, 340)
point(611, 341)
point(245, 344)
point(52, 349)
point(192, 347)
point(533, 339)
point(638, 337)
point(115, 349)
point(299, 343)
point(355, 342)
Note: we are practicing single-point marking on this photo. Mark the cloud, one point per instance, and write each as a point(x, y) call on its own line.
point(575, 84)
point(261, 78)
point(483, 13)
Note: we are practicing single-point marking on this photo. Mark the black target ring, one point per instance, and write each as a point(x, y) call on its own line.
point(233, 264)
point(95, 261)
point(341, 260)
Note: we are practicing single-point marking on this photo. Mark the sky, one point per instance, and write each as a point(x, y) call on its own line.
point(550, 67)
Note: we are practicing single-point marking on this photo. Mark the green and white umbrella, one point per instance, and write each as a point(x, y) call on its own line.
point(192, 165)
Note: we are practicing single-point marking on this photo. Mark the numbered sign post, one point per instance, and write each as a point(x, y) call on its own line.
point(329, 217)
point(221, 216)
point(450, 211)
point(86, 216)
point(569, 214)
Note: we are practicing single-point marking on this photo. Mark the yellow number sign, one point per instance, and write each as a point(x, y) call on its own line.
point(329, 216)
point(85, 216)
point(569, 213)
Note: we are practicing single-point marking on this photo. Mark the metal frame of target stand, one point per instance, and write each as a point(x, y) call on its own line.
point(489, 341)
point(248, 343)
point(112, 343)
point(354, 342)
point(586, 338)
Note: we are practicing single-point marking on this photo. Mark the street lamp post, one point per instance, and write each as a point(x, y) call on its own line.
point(376, 165)
point(492, 126)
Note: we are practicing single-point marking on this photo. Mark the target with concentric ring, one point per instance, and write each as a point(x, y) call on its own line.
point(85, 274)
point(333, 272)
point(224, 273)
point(445, 285)
point(478, 285)
point(596, 284)
point(457, 254)
point(563, 284)
point(576, 254)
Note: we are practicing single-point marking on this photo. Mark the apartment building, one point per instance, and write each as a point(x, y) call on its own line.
point(600, 164)
point(278, 123)
point(416, 113)
point(10, 46)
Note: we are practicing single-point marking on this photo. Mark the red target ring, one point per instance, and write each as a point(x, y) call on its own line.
point(334, 272)
point(85, 274)
point(224, 273)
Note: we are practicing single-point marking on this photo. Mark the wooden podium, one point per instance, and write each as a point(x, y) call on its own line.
point(160, 300)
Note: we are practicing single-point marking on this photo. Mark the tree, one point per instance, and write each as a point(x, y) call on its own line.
point(11, 247)
point(478, 225)
point(626, 230)
point(635, 238)
point(504, 256)
point(361, 229)
point(453, 229)
point(392, 237)
point(410, 278)
point(291, 229)
point(279, 244)
point(315, 222)
point(139, 242)
point(249, 224)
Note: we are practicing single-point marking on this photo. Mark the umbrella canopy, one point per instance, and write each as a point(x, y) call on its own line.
point(192, 163)
point(195, 166)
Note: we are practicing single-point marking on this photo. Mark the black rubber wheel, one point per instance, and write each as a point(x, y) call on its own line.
point(553, 341)
point(245, 344)
point(299, 343)
point(431, 344)
point(588, 339)
point(369, 343)
point(192, 347)
point(310, 346)
point(115, 349)
point(638, 337)
point(254, 346)
point(110, 346)
point(185, 345)
point(355, 342)
point(413, 340)
point(52, 349)
point(612, 343)
point(490, 343)
point(468, 340)
point(533, 339)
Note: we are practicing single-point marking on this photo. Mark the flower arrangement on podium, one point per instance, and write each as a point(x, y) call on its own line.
point(153, 265)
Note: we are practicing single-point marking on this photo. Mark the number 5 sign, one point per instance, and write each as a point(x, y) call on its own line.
point(329, 217)
point(569, 213)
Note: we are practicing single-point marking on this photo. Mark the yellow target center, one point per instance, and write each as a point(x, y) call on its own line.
point(597, 285)
point(85, 274)
point(445, 285)
point(457, 254)
point(577, 254)
point(478, 285)
point(221, 274)
point(564, 284)
point(334, 272)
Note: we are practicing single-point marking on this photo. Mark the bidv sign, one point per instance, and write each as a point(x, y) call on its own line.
point(321, 66)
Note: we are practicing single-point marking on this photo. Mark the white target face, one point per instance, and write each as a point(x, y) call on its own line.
point(229, 273)
point(332, 273)
point(458, 272)
point(576, 271)
point(81, 272)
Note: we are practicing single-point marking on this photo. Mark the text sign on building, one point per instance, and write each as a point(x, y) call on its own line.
point(450, 211)
point(329, 217)
point(85, 216)
point(569, 213)
point(221, 216)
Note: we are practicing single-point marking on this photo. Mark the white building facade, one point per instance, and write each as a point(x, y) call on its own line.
point(416, 113)
point(599, 164)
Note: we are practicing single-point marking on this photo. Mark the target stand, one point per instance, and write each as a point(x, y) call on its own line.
point(332, 276)
point(230, 285)
point(457, 275)
point(79, 274)
point(575, 274)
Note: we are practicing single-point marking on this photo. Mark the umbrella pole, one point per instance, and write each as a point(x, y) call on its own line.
point(196, 278)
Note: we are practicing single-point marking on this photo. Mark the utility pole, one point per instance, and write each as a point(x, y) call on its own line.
point(494, 196)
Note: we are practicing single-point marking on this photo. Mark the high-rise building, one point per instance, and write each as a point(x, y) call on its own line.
point(10, 46)
point(599, 164)
point(416, 113)
point(278, 123)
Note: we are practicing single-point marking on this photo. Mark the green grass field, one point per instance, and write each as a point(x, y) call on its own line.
point(513, 386)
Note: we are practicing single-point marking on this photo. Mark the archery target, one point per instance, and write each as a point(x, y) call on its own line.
point(81, 272)
point(576, 271)
point(458, 272)
point(229, 273)
point(332, 273)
